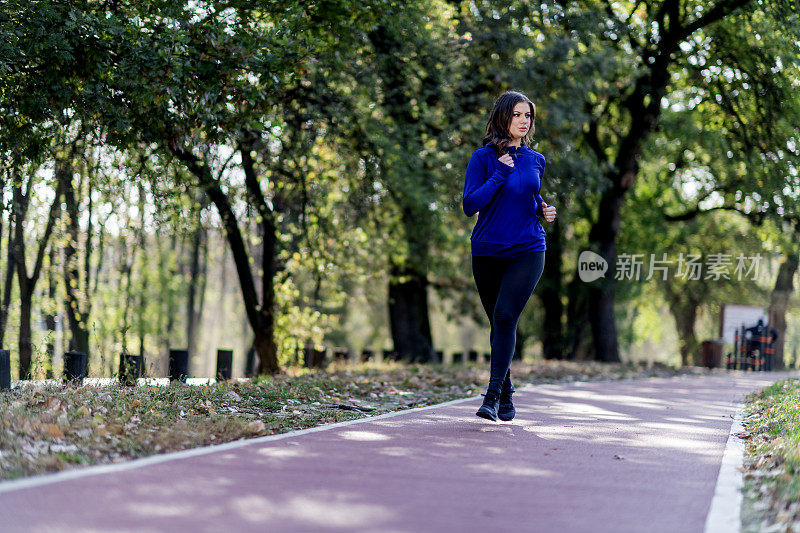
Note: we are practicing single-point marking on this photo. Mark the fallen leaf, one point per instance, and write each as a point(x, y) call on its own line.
point(256, 426)
point(30, 428)
point(52, 404)
point(53, 431)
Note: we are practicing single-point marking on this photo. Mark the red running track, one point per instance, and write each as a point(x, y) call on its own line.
point(616, 456)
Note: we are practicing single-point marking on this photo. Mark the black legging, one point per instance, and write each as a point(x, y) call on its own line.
point(505, 284)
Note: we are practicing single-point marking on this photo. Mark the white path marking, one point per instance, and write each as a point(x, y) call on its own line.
point(724, 516)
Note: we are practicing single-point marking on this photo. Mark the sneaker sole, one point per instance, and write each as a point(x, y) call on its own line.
point(487, 416)
point(506, 415)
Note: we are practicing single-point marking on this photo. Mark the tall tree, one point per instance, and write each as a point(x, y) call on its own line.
point(21, 201)
point(77, 277)
point(197, 276)
point(8, 283)
point(781, 295)
point(653, 41)
point(225, 86)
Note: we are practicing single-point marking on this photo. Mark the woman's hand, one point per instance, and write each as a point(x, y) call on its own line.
point(506, 159)
point(549, 212)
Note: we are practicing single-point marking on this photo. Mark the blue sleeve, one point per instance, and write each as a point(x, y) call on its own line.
point(479, 191)
point(536, 195)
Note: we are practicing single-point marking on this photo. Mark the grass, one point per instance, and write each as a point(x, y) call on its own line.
point(772, 458)
point(52, 427)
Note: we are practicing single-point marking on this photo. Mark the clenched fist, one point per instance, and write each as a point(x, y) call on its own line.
point(549, 212)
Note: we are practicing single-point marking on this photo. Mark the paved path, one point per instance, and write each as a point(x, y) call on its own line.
point(638, 456)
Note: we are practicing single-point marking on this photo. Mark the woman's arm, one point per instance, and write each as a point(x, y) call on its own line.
point(536, 195)
point(479, 191)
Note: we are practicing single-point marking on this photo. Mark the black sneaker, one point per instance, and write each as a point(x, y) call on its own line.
point(488, 410)
point(505, 407)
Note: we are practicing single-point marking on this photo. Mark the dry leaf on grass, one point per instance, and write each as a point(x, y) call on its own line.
point(256, 427)
point(52, 431)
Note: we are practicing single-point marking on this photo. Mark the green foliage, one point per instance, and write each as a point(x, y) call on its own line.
point(365, 116)
point(774, 439)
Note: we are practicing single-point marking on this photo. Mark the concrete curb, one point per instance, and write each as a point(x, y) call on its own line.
point(724, 515)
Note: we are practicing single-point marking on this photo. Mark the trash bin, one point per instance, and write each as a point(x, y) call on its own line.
point(712, 353)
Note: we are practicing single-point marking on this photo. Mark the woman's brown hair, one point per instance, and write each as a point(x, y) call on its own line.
point(497, 133)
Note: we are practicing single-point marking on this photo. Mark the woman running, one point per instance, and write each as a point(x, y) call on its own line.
point(508, 243)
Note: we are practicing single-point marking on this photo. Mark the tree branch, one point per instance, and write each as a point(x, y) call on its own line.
point(593, 137)
point(55, 209)
point(719, 11)
point(756, 217)
point(212, 187)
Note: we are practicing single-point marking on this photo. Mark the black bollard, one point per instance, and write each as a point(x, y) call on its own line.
point(746, 353)
point(224, 364)
point(5, 369)
point(366, 355)
point(178, 365)
point(130, 368)
point(74, 367)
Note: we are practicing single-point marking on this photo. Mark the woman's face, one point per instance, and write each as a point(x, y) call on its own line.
point(520, 120)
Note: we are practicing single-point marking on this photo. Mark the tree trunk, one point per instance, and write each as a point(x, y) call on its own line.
point(125, 272)
point(140, 311)
point(27, 284)
point(553, 345)
point(643, 104)
point(50, 318)
point(101, 240)
point(166, 308)
point(408, 281)
point(141, 250)
point(24, 346)
point(8, 285)
point(76, 306)
point(577, 340)
point(192, 311)
point(171, 303)
point(265, 338)
point(779, 302)
point(685, 314)
point(408, 315)
point(519, 346)
point(603, 237)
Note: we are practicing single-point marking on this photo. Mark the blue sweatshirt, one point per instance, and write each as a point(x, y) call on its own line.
point(508, 200)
